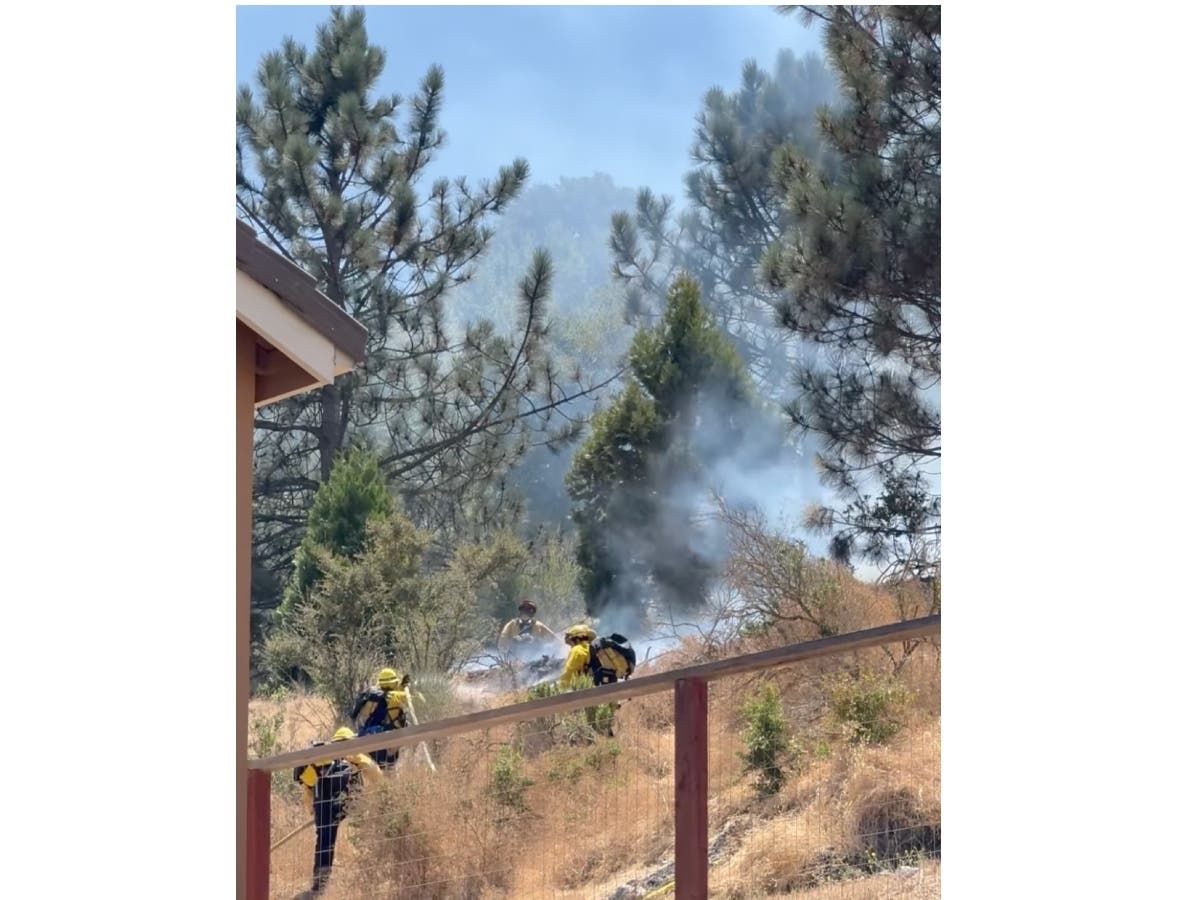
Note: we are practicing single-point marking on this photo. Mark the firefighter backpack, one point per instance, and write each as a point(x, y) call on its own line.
point(335, 779)
point(613, 658)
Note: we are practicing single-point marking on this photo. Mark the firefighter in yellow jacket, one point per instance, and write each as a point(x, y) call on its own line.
point(605, 660)
point(382, 709)
point(327, 790)
point(526, 631)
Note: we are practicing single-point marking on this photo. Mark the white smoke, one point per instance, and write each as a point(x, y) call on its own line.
point(763, 467)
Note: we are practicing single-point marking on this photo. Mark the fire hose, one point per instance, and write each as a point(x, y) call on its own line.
point(291, 834)
point(412, 711)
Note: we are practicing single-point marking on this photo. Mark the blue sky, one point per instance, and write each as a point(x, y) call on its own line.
point(573, 89)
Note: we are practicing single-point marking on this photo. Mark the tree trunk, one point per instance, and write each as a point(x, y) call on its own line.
point(331, 429)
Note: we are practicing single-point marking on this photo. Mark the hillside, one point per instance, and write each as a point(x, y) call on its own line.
point(551, 808)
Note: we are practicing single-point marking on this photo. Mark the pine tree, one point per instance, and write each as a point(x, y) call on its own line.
point(858, 274)
point(570, 219)
point(354, 496)
point(610, 499)
point(734, 211)
point(639, 480)
point(329, 178)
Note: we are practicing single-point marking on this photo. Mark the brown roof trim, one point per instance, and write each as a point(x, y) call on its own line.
point(298, 289)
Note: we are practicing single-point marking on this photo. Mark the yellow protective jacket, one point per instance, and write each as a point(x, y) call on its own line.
point(536, 630)
point(577, 663)
point(360, 762)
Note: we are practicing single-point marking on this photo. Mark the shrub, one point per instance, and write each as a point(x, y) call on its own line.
point(546, 689)
point(603, 754)
point(397, 602)
point(265, 741)
point(868, 705)
point(579, 726)
point(354, 495)
point(264, 734)
point(507, 783)
point(766, 737)
point(433, 697)
point(602, 717)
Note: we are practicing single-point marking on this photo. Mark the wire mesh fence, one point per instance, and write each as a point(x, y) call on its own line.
point(823, 782)
point(824, 779)
point(559, 806)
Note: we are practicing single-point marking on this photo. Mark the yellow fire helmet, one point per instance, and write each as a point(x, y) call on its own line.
point(388, 679)
point(343, 734)
point(579, 633)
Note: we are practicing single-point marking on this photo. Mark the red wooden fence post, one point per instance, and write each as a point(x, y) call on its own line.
point(258, 835)
point(691, 789)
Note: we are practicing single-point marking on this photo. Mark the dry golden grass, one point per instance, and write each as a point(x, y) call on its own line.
point(922, 882)
point(306, 718)
point(835, 816)
point(599, 815)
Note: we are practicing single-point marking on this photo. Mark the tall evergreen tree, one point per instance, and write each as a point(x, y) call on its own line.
point(610, 501)
point(354, 496)
point(734, 210)
point(858, 273)
point(638, 483)
point(330, 179)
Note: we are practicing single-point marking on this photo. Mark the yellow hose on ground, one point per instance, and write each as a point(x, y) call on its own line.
point(667, 888)
point(283, 840)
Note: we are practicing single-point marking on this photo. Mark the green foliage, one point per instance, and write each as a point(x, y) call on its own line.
point(554, 688)
point(543, 690)
point(569, 770)
point(266, 740)
point(265, 734)
point(579, 726)
point(735, 208)
point(442, 624)
point(623, 437)
point(334, 176)
point(869, 706)
point(570, 219)
point(601, 718)
point(355, 495)
point(574, 762)
point(595, 336)
point(768, 746)
point(603, 754)
point(685, 355)
point(626, 478)
point(822, 214)
point(549, 576)
point(859, 269)
point(607, 486)
point(395, 603)
point(507, 783)
point(579, 683)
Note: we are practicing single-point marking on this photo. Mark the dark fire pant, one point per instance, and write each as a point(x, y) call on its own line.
point(385, 759)
point(327, 813)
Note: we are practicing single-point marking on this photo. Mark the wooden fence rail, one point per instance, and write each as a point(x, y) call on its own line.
point(636, 687)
